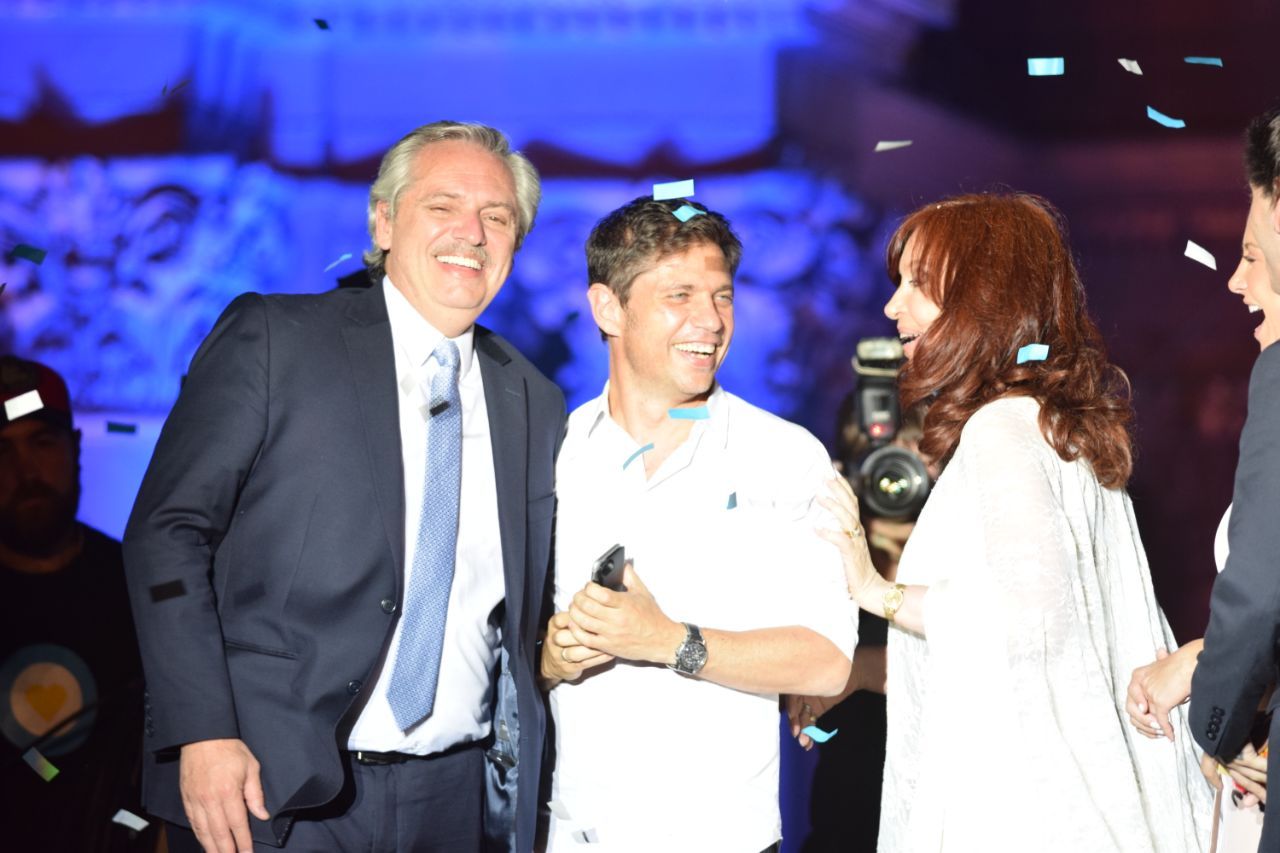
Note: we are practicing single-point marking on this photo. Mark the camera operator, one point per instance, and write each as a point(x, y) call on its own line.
point(876, 451)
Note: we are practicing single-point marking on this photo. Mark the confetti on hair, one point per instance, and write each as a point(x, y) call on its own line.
point(43, 767)
point(30, 253)
point(1033, 352)
point(1200, 254)
point(695, 413)
point(1046, 66)
point(1203, 60)
point(126, 429)
point(673, 189)
point(1160, 118)
point(165, 591)
point(23, 405)
point(1131, 65)
point(891, 144)
point(345, 256)
point(634, 456)
point(124, 817)
point(817, 735)
point(686, 212)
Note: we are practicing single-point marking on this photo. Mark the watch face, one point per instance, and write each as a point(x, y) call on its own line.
point(692, 657)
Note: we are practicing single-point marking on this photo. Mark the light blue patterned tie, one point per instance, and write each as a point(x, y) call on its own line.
point(412, 693)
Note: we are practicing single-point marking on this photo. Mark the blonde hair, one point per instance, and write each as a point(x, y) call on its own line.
point(396, 173)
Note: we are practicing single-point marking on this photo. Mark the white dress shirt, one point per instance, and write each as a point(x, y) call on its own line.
point(471, 642)
point(723, 536)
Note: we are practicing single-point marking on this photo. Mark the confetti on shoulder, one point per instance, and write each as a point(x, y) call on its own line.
point(673, 189)
point(891, 144)
point(1131, 65)
point(1160, 118)
point(686, 212)
point(30, 253)
point(1046, 66)
point(817, 735)
point(1203, 60)
point(1199, 253)
point(694, 413)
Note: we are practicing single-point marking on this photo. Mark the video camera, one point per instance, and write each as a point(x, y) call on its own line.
point(890, 481)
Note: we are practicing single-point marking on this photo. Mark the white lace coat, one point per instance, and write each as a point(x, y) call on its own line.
point(1007, 729)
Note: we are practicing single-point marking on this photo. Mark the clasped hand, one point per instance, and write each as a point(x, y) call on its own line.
point(602, 624)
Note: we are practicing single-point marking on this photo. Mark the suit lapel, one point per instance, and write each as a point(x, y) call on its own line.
point(372, 360)
point(505, 399)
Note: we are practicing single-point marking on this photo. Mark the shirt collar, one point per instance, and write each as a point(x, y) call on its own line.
point(715, 427)
point(417, 338)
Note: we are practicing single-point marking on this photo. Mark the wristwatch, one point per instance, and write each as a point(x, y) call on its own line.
point(691, 656)
point(892, 601)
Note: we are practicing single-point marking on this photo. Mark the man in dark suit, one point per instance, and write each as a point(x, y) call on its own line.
point(1240, 660)
point(339, 474)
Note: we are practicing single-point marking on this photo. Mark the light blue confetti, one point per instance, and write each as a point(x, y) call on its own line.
point(1203, 60)
point(634, 456)
point(344, 257)
point(673, 189)
point(697, 413)
point(1160, 118)
point(1033, 352)
point(817, 735)
point(686, 212)
point(733, 500)
point(1046, 66)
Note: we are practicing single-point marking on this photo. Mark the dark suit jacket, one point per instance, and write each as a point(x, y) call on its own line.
point(1239, 658)
point(265, 550)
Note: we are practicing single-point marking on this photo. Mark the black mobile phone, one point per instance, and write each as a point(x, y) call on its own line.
point(608, 569)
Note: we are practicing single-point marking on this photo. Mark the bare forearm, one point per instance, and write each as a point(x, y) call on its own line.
point(775, 660)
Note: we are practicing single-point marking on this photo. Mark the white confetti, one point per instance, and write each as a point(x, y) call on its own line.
point(22, 405)
point(124, 817)
point(1131, 65)
point(891, 144)
point(1201, 254)
point(558, 809)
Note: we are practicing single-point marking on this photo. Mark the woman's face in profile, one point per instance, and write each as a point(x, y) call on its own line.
point(909, 307)
point(1253, 284)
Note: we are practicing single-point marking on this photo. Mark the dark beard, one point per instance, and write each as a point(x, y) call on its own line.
point(37, 521)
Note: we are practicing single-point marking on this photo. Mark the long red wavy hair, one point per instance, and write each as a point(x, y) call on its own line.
point(1000, 269)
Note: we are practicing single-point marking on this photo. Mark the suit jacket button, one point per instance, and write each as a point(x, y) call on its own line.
point(1211, 734)
point(388, 606)
point(353, 686)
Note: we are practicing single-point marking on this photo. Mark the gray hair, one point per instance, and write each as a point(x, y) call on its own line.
point(396, 171)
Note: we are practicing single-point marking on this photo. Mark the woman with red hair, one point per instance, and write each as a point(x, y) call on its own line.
point(1023, 598)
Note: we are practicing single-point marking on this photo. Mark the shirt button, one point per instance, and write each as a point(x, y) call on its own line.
point(388, 605)
point(353, 686)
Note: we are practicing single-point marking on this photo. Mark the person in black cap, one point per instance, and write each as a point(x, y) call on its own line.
point(70, 674)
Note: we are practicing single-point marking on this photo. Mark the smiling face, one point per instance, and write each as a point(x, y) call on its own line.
point(667, 342)
point(450, 246)
point(1252, 282)
point(909, 307)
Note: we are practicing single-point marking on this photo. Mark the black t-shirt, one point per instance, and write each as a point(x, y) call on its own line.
point(67, 644)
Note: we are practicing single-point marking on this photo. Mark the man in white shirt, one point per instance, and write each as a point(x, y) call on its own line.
point(338, 550)
point(665, 695)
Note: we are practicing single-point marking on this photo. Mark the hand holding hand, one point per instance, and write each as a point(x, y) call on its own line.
point(1249, 770)
point(866, 586)
point(628, 625)
point(804, 711)
point(1157, 688)
point(218, 779)
point(564, 658)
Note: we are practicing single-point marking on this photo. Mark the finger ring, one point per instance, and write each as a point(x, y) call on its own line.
point(564, 655)
point(854, 534)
